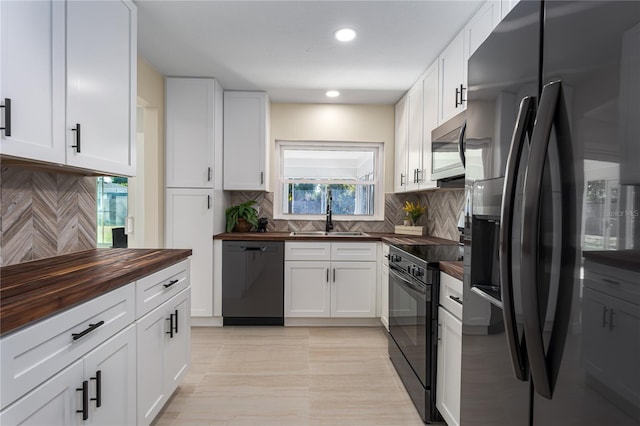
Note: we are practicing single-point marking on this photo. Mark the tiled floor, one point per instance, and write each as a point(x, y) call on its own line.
point(290, 376)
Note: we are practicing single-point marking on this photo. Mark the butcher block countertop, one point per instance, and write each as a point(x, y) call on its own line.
point(34, 290)
point(455, 269)
point(388, 238)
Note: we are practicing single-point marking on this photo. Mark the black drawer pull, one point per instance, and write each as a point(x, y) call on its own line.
point(172, 282)
point(85, 400)
point(7, 117)
point(92, 327)
point(98, 379)
point(456, 299)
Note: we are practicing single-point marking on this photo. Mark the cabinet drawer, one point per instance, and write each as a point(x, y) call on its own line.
point(30, 356)
point(354, 252)
point(451, 294)
point(155, 289)
point(307, 251)
point(615, 282)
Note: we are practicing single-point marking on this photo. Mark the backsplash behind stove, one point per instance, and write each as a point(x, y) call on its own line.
point(443, 209)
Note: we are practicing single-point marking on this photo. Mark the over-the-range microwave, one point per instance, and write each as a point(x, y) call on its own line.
point(447, 149)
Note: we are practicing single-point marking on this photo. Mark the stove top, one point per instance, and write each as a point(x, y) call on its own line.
point(433, 253)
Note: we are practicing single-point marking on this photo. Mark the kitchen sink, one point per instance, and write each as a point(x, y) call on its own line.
point(328, 234)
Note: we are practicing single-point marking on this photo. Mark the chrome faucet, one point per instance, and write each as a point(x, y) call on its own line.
point(329, 223)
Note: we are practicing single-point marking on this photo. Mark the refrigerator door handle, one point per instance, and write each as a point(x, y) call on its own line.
point(524, 123)
point(544, 367)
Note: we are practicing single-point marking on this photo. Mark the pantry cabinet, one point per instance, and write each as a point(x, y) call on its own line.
point(69, 105)
point(340, 282)
point(246, 141)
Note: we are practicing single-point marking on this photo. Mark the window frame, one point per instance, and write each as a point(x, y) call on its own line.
point(378, 182)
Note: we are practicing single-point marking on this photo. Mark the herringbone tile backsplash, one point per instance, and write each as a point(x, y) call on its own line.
point(45, 214)
point(441, 219)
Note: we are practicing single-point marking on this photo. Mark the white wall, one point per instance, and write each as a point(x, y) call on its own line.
point(327, 122)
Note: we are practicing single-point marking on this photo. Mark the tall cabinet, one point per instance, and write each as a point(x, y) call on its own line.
point(195, 201)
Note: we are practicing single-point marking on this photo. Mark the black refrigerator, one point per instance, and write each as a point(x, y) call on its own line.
point(551, 320)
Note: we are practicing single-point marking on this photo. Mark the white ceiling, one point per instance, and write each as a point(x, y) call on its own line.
point(287, 48)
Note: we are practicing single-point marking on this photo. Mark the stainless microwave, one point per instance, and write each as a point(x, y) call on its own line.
point(447, 149)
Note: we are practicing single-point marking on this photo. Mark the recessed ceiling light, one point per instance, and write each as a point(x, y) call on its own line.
point(333, 94)
point(345, 34)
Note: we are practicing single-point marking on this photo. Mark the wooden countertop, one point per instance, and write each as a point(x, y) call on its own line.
point(623, 259)
point(34, 290)
point(455, 269)
point(388, 238)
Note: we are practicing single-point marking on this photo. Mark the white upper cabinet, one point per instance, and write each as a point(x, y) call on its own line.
point(66, 64)
point(193, 133)
point(452, 90)
point(101, 86)
point(480, 26)
point(506, 6)
point(33, 84)
point(429, 122)
point(414, 140)
point(246, 141)
point(401, 142)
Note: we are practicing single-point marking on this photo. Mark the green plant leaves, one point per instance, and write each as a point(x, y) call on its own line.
point(244, 210)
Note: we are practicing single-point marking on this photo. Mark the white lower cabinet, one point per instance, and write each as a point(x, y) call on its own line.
point(95, 364)
point(97, 389)
point(330, 288)
point(384, 287)
point(164, 340)
point(449, 351)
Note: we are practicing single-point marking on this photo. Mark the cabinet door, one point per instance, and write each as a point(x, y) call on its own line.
point(111, 371)
point(307, 289)
point(101, 85)
point(191, 109)
point(480, 26)
point(430, 121)
point(245, 141)
point(401, 136)
point(53, 403)
point(189, 224)
point(415, 133)
point(33, 82)
point(451, 74)
point(178, 340)
point(384, 287)
point(353, 289)
point(150, 358)
point(449, 366)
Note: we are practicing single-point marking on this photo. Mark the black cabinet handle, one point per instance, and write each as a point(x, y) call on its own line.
point(7, 117)
point(170, 332)
point(77, 130)
point(261, 178)
point(175, 330)
point(98, 379)
point(92, 327)
point(208, 202)
point(455, 299)
point(85, 400)
point(459, 92)
point(170, 283)
point(208, 174)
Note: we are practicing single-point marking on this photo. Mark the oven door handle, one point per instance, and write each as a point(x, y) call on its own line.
point(408, 284)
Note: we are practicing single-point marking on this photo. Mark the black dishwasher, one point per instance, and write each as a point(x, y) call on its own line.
point(253, 282)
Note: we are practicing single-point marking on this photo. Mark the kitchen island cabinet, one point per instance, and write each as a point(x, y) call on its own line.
point(71, 340)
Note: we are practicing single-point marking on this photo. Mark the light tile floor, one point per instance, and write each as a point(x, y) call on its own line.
point(290, 376)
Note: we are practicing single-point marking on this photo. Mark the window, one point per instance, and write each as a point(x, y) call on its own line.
point(112, 208)
point(307, 170)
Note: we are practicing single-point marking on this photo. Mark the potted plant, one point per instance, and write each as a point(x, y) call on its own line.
point(241, 218)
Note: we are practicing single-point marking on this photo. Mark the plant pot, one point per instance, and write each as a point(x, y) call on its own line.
point(242, 226)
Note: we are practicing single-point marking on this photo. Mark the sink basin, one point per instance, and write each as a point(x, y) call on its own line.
point(328, 234)
point(307, 233)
